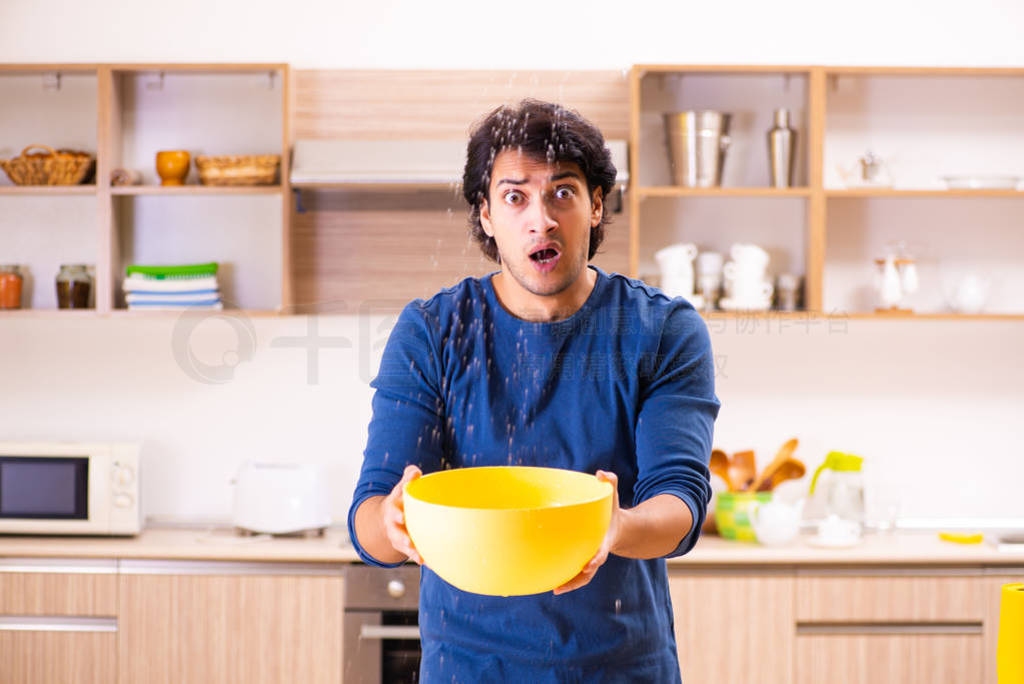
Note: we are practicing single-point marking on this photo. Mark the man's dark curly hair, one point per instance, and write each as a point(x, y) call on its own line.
point(541, 130)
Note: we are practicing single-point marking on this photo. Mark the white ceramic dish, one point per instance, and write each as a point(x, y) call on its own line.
point(727, 304)
point(982, 182)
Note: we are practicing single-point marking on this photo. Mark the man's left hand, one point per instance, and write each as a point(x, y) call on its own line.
point(590, 569)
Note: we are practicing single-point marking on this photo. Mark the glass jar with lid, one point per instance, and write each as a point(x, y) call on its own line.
point(74, 285)
point(10, 286)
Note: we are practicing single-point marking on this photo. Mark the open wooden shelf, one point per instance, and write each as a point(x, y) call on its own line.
point(904, 192)
point(841, 107)
point(673, 191)
point(48, 190)
point(197, 190)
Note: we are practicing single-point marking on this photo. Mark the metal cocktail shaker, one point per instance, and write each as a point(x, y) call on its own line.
point(781, 144)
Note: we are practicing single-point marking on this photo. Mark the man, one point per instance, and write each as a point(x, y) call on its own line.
point(547, 362)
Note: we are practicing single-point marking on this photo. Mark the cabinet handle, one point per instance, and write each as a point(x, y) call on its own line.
point(389, 632)
point(805, 628)
point(49, 623)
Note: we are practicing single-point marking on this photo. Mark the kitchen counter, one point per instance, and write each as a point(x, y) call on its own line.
point(222, 544)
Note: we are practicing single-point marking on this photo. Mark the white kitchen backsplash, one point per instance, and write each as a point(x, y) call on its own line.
point(933, 406)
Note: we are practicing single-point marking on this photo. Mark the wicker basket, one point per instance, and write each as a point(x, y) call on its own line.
point(238, 169)
point(55, 167)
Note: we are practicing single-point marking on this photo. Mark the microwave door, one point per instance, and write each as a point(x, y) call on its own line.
point(44, 488)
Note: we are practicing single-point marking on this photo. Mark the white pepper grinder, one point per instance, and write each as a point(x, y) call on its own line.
point(781, 144)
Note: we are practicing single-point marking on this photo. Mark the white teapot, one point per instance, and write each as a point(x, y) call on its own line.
point(776, 522)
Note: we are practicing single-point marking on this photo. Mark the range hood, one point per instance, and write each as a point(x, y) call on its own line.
point(329, 164)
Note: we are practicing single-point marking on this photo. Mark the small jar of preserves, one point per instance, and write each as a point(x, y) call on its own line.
point(10, 286)
point(74, 285)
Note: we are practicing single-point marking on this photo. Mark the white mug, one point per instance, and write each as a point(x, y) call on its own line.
point(743, 271)
point(749, 255)
point(676, 265)
point(709, 263)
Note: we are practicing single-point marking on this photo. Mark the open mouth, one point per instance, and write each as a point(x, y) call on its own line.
point(545, 255)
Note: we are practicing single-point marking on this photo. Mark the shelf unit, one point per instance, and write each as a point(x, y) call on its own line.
point(133, 111)
point(838, 111)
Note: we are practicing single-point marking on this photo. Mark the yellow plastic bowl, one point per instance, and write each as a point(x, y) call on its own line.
point(507, 530)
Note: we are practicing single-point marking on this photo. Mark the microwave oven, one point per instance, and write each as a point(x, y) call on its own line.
point(69, 488)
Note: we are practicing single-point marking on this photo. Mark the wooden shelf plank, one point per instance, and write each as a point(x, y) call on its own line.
point(48, 190)
point(861, 315)
point(48, 313)
point(673, 191)
point(196, 190)
point(725, 69)
point(909, 192)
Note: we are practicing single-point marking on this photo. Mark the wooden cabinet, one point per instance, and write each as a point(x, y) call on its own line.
point(58, 621)
point(888, 658)
point(882, 626)
point(733, 628)
point(245, 623)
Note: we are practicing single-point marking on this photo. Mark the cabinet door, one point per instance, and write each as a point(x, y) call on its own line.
point(888, 658)
point(734, 628)
point(48, 654)
point(244, 628)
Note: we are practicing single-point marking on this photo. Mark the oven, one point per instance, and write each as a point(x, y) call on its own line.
point(382, 637)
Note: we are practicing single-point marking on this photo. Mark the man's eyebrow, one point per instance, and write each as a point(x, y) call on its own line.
point(510, 181)
point(566, 174)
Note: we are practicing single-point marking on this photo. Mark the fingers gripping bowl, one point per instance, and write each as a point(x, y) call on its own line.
point(507, 530)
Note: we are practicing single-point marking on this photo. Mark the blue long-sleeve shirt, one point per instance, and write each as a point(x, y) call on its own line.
point(626, 384)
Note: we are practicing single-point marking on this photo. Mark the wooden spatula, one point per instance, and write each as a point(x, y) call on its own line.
point(766, 480)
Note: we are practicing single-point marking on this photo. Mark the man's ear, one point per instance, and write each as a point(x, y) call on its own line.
point(485, 218)
point(596, 207)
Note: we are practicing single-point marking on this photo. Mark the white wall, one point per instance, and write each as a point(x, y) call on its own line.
point(529, 34)
point(935, 406)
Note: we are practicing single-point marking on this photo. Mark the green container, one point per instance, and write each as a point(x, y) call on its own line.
point(732, 514)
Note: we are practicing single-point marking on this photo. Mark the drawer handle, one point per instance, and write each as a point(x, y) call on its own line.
point(48, 623)
point(808, 628)
point(389, 632)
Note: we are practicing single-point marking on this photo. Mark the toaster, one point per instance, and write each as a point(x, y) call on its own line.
point(280, 498)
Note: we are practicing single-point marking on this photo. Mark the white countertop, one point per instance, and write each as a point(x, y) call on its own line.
point(219, 544)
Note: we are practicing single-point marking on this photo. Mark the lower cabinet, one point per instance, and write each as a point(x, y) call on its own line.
point(48, 654)
point(904, 657)
point(58, 621)
point(890, 625)
point(250, 623)
point(733, 627)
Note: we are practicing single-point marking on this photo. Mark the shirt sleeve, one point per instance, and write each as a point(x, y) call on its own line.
point(408, 415)
point(675, 424)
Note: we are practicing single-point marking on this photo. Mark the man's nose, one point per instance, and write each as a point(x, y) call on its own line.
point(540, 218)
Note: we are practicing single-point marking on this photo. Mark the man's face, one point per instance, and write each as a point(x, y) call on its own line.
point(540, 216)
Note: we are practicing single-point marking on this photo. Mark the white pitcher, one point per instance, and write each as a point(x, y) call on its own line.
point(776, 522)
point(676, 265)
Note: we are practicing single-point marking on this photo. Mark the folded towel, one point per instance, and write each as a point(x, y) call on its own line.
point(172, 298)
point(176, 307)
point(176, 271)
point(138, 283)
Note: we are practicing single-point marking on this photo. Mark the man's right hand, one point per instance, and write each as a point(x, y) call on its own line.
point(392, 511)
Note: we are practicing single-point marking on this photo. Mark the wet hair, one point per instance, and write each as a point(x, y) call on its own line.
point(543, 131)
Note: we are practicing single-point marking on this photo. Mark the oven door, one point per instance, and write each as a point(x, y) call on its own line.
point(381, 647)
point(381, 641)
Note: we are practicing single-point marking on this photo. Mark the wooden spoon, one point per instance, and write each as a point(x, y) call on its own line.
point(720, 466)
point(792, 469)
point(765, 480)
point(742, 470)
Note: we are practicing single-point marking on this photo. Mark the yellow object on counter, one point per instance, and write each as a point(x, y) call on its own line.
point(1010, 649)
point(961, 538)
point(507, 530)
